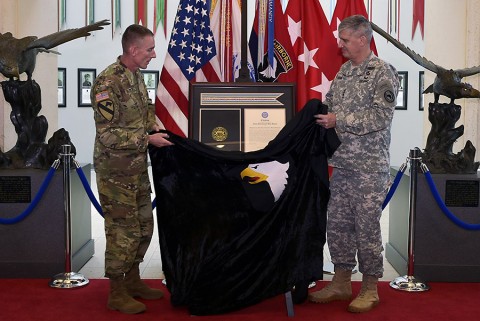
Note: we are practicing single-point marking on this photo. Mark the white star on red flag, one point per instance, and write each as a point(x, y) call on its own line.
point(315, 47)
point(307, 58)
point(323, 87)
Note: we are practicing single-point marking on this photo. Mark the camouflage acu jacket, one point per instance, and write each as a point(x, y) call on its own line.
point(363, 98)
point(123, 117)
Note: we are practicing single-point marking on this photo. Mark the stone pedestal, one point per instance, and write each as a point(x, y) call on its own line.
point(35, 246)
point(443, 251)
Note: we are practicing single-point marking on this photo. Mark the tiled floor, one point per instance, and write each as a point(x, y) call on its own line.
point(151, 268)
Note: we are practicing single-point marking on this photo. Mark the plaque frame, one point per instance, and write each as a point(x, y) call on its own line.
point(421, 84)
point(150, 77)
point(269, 97)
point(85, 85)
point(402, 91)
point(62, 87)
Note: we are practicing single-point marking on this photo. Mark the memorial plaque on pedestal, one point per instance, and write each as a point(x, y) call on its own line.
point(15, 189)
point(35, 246)
point(444, 251)
point(461, 193)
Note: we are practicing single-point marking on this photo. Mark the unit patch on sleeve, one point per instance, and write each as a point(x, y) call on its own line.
point(389, 96)
point(106, 109)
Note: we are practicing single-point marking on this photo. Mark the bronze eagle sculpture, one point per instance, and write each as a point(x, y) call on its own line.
point(19, 55)
point(447, 81)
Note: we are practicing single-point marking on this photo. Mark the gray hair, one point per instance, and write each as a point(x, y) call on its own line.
point(357, 23)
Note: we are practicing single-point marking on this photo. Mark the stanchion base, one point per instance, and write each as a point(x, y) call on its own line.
point(409, 284)
point(68, 280)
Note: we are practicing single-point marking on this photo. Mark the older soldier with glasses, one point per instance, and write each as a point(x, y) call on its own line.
point(361, 103)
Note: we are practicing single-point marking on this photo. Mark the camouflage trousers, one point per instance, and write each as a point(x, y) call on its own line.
point(353, 223)
point(127, 209)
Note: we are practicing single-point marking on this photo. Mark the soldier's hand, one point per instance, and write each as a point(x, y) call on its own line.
point(159, 140)
point(327, 121)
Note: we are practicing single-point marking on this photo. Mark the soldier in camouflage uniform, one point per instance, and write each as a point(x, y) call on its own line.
point(123, 118)
point(361, 102)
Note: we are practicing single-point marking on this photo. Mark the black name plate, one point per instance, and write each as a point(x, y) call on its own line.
point(15, 189)
point(461, 193)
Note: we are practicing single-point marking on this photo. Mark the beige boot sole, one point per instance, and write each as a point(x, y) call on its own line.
point(361, 310)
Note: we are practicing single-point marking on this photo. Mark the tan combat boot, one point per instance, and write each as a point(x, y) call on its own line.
point(367, 299)
point(340, 289)
point(137, 288)
point(120, 300)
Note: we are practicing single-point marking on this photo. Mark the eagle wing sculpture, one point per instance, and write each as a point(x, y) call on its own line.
point(447, 81)
point(19, 55)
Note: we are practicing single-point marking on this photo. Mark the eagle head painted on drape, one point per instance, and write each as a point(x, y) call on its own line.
point(274, 173)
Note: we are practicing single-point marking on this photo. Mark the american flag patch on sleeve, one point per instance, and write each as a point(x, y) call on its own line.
point(101, 96)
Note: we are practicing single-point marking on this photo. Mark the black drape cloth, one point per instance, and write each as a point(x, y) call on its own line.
point(226, 243)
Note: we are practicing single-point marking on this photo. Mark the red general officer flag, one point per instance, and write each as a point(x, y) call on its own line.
point(315, 48)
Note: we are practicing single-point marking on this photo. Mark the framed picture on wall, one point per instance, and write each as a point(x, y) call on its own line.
point(421, 77)
point(85, 80)
point(402, 91)
point(150, 77)
point(62, 87)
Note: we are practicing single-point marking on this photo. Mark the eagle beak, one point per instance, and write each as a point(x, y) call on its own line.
point(253, 177)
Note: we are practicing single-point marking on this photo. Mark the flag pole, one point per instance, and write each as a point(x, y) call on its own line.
point(244, 75)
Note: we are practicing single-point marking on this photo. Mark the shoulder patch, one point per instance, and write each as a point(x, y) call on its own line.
point(102, 96)
point(106, 108)
point(388, 91)
point(389, 96)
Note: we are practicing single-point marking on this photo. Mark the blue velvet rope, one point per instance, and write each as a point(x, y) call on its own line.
point(35, 201)
point(92, 197)
point(394, 186)
point(444, 208)
point(88, 190)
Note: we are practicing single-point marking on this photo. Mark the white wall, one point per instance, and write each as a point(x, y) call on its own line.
point(407, 127)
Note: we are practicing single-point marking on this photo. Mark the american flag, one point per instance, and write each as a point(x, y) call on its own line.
point(192, 55)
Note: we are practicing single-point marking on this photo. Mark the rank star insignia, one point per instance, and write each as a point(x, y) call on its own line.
point(106, 108)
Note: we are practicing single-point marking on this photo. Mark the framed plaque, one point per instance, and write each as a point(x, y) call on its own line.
point(150, 77)
point(239, 116)
point(402, 91)
point(421, 79)
point(86, 76)
point(62, 87)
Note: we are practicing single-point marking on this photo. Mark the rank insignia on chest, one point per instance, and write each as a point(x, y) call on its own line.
point(106, 109)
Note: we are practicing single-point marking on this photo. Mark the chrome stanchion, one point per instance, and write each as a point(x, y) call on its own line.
point(68, 279)
point(409, 282)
